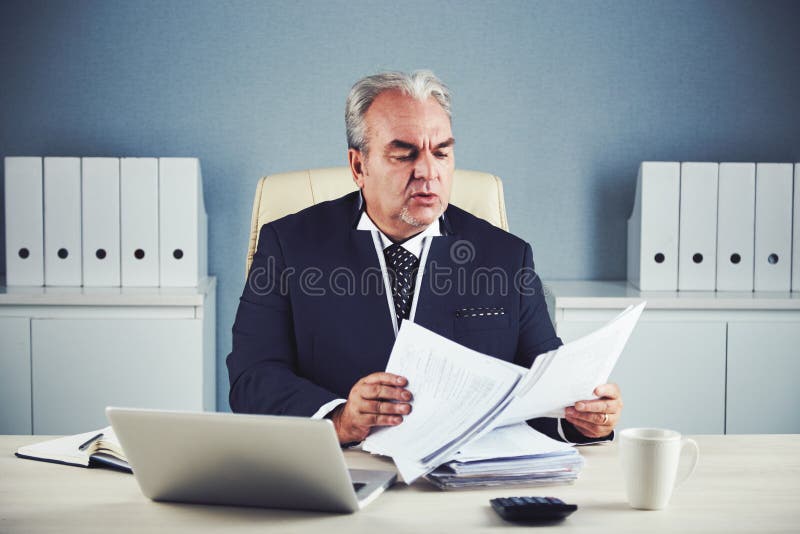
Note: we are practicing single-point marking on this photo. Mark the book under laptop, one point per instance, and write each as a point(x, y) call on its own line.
point(244, 460)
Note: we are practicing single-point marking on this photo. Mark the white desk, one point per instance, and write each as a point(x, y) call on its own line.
point(735, 489)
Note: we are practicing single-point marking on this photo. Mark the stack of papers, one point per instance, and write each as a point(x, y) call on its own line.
point(461, 396)
point(535, 470)
point(457, 393)
point(509, 455)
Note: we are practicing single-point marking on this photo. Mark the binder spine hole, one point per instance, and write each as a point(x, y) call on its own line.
point(101, 253)
point(24, 253)
point(697, 258)
point(63, 253)
point(177, 253)
point(659, 258)
point(138, 254)
point(735, 258)
point(772, 259)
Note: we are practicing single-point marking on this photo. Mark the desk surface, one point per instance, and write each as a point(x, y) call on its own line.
point(742, 484)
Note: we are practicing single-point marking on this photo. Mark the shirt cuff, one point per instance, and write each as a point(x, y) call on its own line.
point(327, 408)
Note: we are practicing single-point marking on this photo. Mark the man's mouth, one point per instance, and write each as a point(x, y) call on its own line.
point(425, 200)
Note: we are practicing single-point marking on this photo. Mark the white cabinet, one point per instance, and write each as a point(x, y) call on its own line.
point(663, 382)
point(697, 362)
point(763, 374)
point(15, 375)
point(67, 353)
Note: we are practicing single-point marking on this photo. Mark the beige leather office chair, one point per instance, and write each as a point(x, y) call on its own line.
point(277, 195)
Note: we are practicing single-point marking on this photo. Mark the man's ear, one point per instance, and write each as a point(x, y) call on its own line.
point(356, 160)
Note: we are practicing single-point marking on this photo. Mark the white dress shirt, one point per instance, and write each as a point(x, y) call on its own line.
point(413, 245)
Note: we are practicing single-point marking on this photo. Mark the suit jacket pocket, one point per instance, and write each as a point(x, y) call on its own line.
point(475, 318)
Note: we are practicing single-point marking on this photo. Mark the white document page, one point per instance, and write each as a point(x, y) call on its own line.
point(411, 469)
point(510, 442)
point(570, 373)
point(455, 391)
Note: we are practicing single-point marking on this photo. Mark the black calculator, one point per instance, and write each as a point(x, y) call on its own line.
point(532, 508)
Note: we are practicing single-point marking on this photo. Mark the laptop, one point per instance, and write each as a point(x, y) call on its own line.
point(244, 460)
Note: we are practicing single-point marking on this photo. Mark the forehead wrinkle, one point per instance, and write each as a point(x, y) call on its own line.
point(420, 122)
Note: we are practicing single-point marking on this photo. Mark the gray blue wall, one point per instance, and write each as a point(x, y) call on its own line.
point(560, 99)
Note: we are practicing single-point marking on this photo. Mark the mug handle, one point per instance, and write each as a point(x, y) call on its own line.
point(695, 458)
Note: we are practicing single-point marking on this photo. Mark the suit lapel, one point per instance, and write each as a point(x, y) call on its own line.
point(439, 285)
point(369, 284)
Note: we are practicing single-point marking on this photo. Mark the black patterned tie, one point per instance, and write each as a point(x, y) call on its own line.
point(402, 266)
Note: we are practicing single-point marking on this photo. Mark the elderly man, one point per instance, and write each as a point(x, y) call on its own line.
point(330, 285)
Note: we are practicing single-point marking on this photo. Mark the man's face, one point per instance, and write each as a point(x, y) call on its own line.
point(407, 175)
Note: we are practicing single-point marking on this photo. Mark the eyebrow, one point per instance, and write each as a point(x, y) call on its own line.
point(405, 145)
point(448, 143)
point(402, 145)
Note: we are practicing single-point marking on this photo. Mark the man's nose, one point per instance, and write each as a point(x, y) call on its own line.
point(426, 168)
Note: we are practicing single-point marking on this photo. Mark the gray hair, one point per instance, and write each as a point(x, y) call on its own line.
point(420, 84)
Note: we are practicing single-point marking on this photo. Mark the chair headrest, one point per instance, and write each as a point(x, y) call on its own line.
point(281, 194)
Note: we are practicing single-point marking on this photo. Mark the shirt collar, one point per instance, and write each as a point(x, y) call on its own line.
point(445, 226)
point(413, 245)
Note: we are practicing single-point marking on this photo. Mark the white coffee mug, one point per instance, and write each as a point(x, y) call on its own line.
point(650, 458)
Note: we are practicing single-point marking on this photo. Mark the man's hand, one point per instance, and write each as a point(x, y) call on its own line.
point(597, 418)
point(378, 399)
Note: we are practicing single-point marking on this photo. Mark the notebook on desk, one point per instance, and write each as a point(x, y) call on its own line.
point(245, 460)
point(95, 448)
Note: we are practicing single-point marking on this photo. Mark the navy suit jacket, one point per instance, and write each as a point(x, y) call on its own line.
point(314, 317)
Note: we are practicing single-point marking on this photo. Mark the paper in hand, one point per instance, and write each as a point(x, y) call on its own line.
point(564, 376)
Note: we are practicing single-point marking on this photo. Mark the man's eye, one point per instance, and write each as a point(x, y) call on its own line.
point(404, 157)
point(441, 155)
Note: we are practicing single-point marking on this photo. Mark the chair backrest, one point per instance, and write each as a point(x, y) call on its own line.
point(278, 195)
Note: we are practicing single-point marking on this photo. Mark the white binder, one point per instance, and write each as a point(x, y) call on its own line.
point(62, 221)
point(24, 222)
point(100, 188)
point(736, 226)
point(139, 222)
point(653, 227)
point(773, 242)
point(182, 222)
point(796, 231)
point(697, 249)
